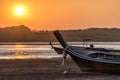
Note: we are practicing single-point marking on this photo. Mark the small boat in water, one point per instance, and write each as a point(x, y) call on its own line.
point(57, 49)
point(92, 59)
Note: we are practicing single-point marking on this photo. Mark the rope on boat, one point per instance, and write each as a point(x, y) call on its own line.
point(64, 55)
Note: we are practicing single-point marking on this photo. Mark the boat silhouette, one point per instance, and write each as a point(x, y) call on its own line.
point(90, 58)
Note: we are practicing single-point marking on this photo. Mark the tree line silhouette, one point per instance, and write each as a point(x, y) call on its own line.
point(22, 33)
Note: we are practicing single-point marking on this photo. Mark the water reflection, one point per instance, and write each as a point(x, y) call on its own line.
point(19, 47)
point(19, 55)
point(19, 51)
point(24, 51)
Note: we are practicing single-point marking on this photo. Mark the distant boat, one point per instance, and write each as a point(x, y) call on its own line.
point(57, 49)
point(92, 59)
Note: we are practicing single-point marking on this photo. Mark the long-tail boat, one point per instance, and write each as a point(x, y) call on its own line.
point(91, 59)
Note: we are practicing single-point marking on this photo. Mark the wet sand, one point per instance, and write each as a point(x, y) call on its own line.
point(47, 69)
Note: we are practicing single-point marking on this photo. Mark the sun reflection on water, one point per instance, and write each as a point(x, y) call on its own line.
point(19, 47)
point(19, 51)
point(20, 54)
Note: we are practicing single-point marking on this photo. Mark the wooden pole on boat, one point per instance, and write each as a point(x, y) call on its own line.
point(51, 44)
point(60, 38)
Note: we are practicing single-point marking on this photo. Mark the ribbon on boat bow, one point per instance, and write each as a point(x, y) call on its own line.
point(64, 56)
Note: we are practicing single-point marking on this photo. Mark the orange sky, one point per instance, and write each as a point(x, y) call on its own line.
point(61, 14)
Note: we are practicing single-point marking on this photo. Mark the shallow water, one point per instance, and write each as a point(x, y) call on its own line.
point(42, 50)
point(24, 51)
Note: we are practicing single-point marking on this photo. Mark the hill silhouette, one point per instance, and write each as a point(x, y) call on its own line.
point(22, 33)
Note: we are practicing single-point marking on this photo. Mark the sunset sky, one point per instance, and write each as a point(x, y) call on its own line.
point(60, 14)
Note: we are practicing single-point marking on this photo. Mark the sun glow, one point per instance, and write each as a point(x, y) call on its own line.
point(20, 10)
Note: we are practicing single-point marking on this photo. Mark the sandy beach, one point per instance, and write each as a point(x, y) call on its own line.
point(46, 69)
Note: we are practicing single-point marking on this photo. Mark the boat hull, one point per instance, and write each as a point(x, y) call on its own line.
point(58, 50)
point(94, 66)
point(86, 62)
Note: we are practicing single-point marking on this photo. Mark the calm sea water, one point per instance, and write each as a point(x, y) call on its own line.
point(27, 50)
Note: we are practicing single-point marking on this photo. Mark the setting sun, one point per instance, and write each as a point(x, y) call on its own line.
point(60, 14)
point(19, 10)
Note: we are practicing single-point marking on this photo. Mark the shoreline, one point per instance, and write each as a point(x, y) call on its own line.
point(46, 69)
